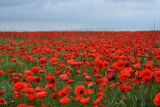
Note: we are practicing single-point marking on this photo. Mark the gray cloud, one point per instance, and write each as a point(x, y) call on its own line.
point(79, 14)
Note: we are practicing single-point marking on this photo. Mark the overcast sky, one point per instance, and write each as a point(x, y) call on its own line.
point(46, 15)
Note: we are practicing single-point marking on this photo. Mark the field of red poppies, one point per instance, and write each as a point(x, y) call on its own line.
point(79, 69)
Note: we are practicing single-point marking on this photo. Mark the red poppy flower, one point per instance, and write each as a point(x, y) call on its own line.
point(9, 70)
point(2, 72)
point(19, 86)
point(65, 91)
point(149, 64)
point(65, 100)
point(85, 100)
point(158, 52)
point(32, 97)
point(137, 66)
point(13, 60)
point(80, 91)
point(21, 105)
point(28, 73)
point(157, 76)
point(50, 86)
point(54, 95)
point(111, 76)
point(89, 91)
point(41, 94)
point(96, 102)
point(29, 78)
point(53, 60)
point(43, 60)
point(125, 88)
point(18, 94)
point(64, 77)
point(2, 101)
point(147, 75)
point(58, 72)
point(2, 92)
point(37, 80)
point(125, 74)
point(70, 81)
point(35, 69)
point(88, 78)
point(28, 90)
point(38, 89)
point(50, 78)
point(157, 99)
